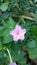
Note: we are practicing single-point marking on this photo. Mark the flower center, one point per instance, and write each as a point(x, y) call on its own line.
point(18, 33)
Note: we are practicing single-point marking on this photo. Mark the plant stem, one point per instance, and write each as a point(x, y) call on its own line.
point(23, 16)
point(9, 55)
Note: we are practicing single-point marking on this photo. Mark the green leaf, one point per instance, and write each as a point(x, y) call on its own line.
point(34, 31)
point(8, 24)
point(17, 56)
point(31, 44)
point(35, 1)
point(35, 16)
point(0, 44)
point(16, 52)
point(3, 54)
point(1, 30)
point(11, 23)
point(4, 6)
point(6, 36)
point(22, 61)
point(33, 53)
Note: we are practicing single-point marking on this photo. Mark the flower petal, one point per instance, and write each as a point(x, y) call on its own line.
point(18, 28)
point(16, 37)
point(22, 37)
point(12, 32)
point(13, 63)
point(23, 31)
point(18, 33)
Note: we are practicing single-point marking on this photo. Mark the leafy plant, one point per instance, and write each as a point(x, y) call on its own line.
point(24, 14)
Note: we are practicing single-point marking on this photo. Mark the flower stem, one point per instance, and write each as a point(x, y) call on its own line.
point(9, 55)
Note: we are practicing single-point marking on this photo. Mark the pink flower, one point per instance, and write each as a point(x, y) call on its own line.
point(13, 63)
point(18, 33)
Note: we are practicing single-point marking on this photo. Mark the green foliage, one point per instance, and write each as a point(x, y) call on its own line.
point(35, 1)
point(24, 13)
point(4, 6)
point(33, 53)
point(34, 31)
point(31, 44)
point(6, 36)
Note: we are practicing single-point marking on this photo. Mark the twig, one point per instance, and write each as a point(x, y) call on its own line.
point(23, 16)
point(22, 20)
